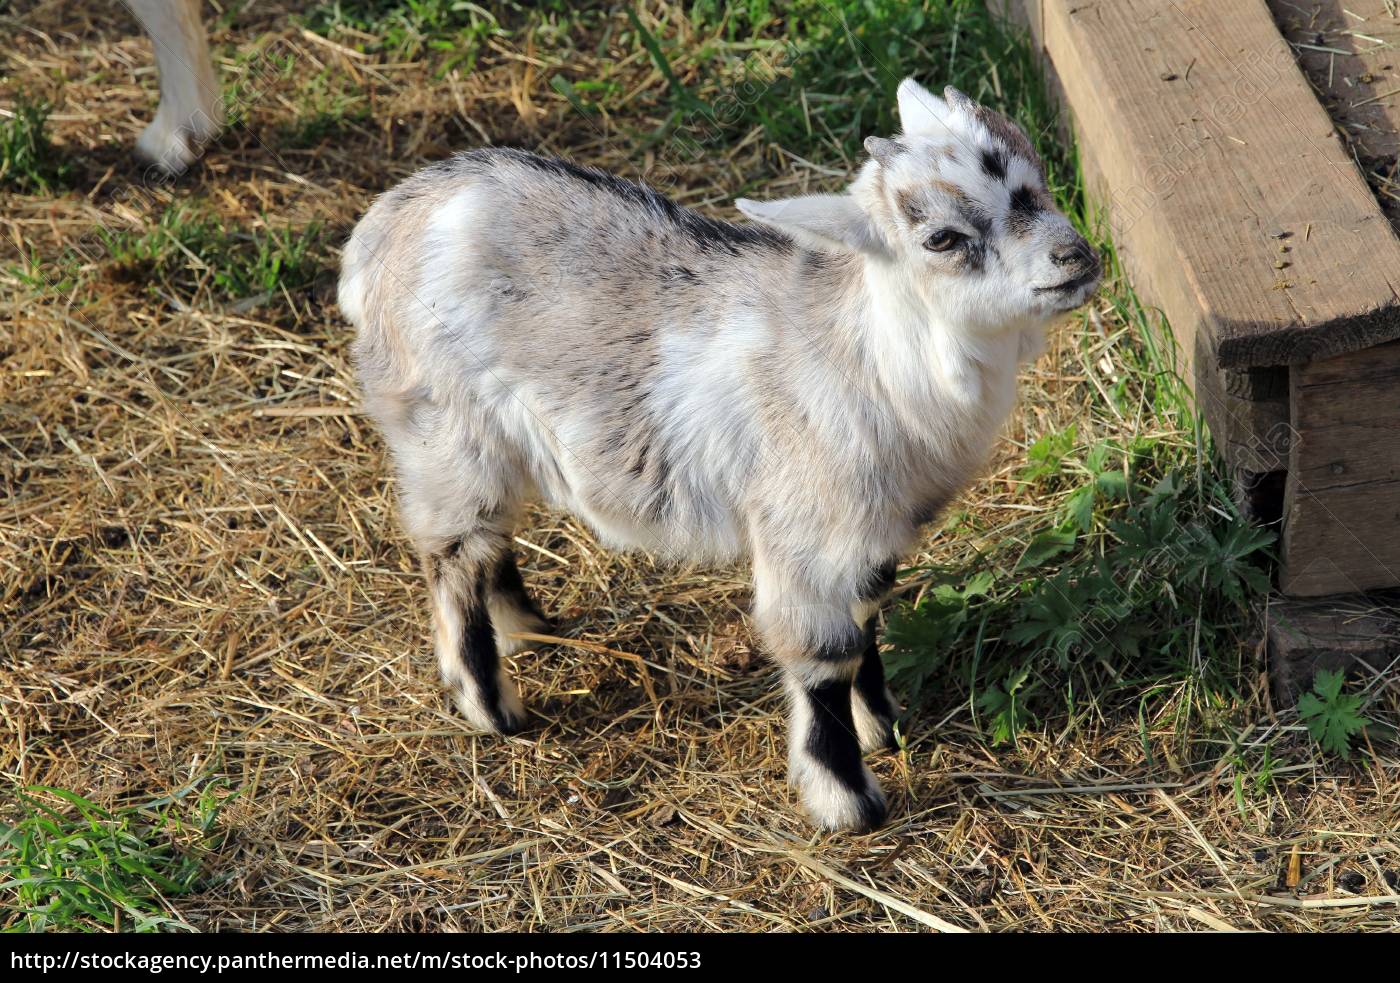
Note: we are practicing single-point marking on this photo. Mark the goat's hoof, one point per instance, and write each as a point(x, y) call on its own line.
point(166, 149)
point(836, 807)
point(173, 147)
point(507, 717)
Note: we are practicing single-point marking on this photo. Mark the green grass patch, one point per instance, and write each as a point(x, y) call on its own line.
point(451, 32)
point(29, 164)
point(188, 248)
point(327, 108)
point(253, 71)
point(68, 864)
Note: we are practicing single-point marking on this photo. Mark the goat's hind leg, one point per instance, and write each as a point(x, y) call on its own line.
point(461, 572)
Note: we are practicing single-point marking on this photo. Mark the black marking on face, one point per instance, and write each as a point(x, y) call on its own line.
point(1027, 204)
point(978, 218)
point(972, 258)
point(1008, 133)
point(1025, 200)
point(994, 163)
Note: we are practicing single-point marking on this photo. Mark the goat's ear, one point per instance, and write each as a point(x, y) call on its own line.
point(826, 222)
point(920, 111)
point(884, 151)
point(958, 102)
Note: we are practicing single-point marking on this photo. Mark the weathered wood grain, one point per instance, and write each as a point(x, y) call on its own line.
point(1248, 414)
point(1342, 501)
point(1232, 201)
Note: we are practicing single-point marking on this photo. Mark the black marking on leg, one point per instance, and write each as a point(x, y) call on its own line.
point(994, 163)
point(870, 684)
point(481, 660)
point(505, 581)
point(880, 581)
point(845, 650)
point(833, 744)
point(832, 739)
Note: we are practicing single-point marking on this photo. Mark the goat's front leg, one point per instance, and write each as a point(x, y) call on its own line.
point(820, 650)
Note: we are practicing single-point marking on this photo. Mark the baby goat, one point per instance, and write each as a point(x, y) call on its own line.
point(807, 392)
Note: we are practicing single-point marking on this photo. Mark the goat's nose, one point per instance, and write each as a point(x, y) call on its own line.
point(1076, 253)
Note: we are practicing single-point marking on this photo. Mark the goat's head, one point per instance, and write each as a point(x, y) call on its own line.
point(957, 208)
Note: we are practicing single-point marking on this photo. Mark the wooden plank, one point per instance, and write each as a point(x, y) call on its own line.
point(1342, 501)
point(1232, 201)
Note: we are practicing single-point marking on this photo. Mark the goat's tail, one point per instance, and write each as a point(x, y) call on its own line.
point(362, 265)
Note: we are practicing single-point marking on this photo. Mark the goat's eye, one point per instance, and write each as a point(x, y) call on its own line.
point(944, 240)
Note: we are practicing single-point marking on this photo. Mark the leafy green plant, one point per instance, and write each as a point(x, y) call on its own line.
point(1129, 577)
point(69, 864)
point(1332, 717)
point(1005, 707)
point(28, 162)
point(1045, 457)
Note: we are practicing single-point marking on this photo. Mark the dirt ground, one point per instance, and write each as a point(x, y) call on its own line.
point(201, 574)
point(1348, 50)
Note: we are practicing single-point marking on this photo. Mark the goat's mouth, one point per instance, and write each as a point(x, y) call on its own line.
point(1070, 286)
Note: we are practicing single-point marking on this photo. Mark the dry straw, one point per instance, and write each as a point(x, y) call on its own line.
point(200, 571)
